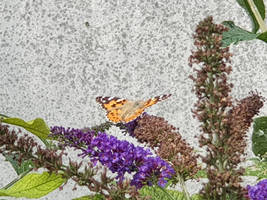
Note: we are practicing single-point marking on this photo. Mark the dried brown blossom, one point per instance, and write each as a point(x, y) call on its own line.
point(223, 131)
point(171, 147)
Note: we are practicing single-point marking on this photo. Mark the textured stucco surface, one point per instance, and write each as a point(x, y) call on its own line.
point(53, 64)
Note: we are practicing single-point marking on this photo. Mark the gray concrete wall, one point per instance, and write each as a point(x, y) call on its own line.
point(56, 56)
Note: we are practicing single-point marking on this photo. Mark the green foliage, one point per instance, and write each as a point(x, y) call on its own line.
point(259, 136)
point(91, 197)
point(158, 193)
point(38, 126)
point(262, 36)
point(2, 116)
point(261, 8)
point(201, 174)
point(34, 185)
point(259, 169)
point(236, 34)
point(25, 166)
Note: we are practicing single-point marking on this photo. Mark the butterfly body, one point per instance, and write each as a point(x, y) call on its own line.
point(123, 110)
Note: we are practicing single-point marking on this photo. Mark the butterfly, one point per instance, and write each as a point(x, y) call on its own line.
point(123, 110)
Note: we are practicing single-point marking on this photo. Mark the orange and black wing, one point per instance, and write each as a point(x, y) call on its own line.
point(113, 107)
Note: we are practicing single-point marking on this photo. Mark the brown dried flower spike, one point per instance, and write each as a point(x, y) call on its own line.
point(223, 132)
point(171, 147)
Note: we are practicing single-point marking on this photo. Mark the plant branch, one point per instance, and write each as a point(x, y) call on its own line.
point(257, 15)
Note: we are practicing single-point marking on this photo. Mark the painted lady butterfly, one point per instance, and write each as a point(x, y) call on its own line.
point(123, 110)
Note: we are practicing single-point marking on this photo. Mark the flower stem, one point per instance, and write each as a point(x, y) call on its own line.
point(182, 183)
point(166, 193)
point(257, 15)
point(17, 179)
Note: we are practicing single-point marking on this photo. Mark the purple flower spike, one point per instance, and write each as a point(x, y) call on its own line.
point(259, 191)
point(119, 156)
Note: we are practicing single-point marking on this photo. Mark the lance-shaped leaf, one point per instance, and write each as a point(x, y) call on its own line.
point(34, 185)
point(259, 136)
point(38, 127)
point(261, 8)
point(235, 34)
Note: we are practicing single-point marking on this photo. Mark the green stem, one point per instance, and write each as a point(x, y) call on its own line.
point(166, 192)
point(257, 15)
point(17, 179)
point(3, 116)
point(182, 183)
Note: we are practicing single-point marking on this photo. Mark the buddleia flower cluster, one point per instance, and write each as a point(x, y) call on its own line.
point(119, 156)
point(259, 191)
point(168, 144)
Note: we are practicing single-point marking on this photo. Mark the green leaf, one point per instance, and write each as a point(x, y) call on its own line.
point(19, 168)
point(200, 174)
point(34, 185)
point(157, 193)
point(259, 169)
point(91, 197)
point(38, 127)
point(196, 197)
point(261, 8)
point(235, 34)
point(263, 37)
point(259, 136)
point(2, 116)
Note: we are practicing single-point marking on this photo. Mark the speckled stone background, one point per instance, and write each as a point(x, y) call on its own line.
point(56, 56)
